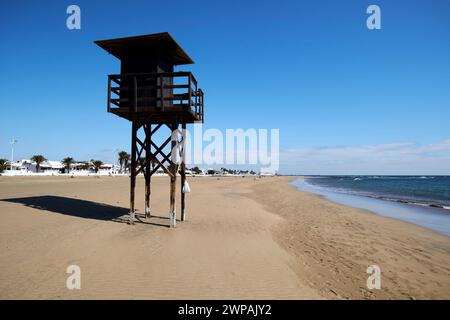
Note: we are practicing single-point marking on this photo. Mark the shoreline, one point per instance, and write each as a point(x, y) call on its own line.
point(333, 244)
point(432, 218)
point(423, 203)
point(244, 238)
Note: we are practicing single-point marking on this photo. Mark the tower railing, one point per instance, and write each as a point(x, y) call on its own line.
point(165, 91)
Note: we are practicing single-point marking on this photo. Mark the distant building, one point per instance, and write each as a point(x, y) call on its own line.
point(50, 166)
point(109, 168)
point(22, 166)
point(266, 173)
point(83, 166)
point(27, 166)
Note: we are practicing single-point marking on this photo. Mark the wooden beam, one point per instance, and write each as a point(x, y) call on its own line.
point(159, 149)
point(148, 177)
point(156, 128)
point(163, 167)
point(133, 170)
point(135, 96)
point(142, 146)
point(109, 95)
point(183, 173)
point(173, 180)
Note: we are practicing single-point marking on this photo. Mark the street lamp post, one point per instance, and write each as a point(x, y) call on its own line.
point(13, 142)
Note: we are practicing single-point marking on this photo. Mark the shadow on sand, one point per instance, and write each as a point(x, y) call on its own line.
point(82, 209)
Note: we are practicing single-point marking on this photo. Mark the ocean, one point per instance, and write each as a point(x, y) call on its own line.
point(431, 191)
point(422, 200)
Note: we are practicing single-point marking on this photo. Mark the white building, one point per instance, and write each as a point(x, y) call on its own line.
point(22, 166)
point(50, 166)
point(25, 166)
point(109, 168)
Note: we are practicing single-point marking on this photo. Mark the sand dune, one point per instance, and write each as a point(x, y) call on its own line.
point(244, 238)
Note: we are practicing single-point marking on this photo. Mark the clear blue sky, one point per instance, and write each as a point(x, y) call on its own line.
point(310, 68)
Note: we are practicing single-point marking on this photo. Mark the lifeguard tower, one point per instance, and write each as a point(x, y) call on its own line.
point(152, 96)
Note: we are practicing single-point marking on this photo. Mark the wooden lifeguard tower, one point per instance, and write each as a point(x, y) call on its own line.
point(151, 95)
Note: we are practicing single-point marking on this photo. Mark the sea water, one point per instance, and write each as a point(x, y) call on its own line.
point(422, 200)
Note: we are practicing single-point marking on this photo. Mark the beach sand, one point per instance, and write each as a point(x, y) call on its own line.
point(244, 238)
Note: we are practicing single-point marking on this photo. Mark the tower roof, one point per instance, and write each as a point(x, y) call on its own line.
point(157, 44)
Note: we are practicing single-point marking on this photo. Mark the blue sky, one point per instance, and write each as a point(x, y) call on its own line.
point(310, 68)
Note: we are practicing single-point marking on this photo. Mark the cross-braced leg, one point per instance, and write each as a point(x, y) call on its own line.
point(134, 130)
point(147, 172)
point(183, 173)
point(173, 177)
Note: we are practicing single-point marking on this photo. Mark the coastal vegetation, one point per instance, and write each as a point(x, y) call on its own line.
point(67, 162)
point(3, 165)
point(97, 164)
point(124, 158)
point(38, 159)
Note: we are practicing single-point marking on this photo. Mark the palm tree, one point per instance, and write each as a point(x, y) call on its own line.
point(142, 161)
point(38, 159)
point(124, 157)
point(3, 165)
point(86, 165)
point(97, 164)
point(196, 170)
point(67, 162)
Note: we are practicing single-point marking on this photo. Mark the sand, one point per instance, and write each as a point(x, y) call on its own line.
point(244, 238)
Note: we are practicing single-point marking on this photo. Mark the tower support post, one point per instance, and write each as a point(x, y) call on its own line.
point(134, 129)
point(183, 172)
point(173, 177)
point(148, 168)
